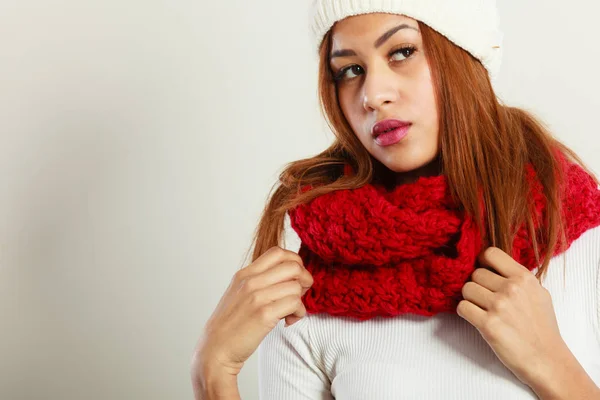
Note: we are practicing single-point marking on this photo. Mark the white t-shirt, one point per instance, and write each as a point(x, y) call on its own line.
point(416, 357)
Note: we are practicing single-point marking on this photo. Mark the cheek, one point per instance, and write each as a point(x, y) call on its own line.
point(350, 106)
point(427, 108)
point(427, 103)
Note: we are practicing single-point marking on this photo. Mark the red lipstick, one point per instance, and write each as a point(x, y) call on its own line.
point(390, 131)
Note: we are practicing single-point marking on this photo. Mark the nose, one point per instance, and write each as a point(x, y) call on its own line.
point(379, 90)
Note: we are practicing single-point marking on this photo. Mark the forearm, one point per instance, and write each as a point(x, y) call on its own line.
point(212, 383)
point(216, 390)
point(565, 380)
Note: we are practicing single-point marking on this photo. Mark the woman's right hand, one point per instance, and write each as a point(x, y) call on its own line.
point(258, 297)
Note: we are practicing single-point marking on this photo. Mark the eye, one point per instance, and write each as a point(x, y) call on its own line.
point(355, 69)
point(395, 55)
point(405, 52)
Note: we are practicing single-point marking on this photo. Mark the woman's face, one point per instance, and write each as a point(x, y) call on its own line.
point(381, 73)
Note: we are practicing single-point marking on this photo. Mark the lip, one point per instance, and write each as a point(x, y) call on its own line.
point(392, 137)
point(387, 125)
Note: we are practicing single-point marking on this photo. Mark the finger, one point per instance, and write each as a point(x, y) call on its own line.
point(274, 256)
point(501, 262)
point(270, 258)
point(289, 270)
point(292, 319)
point(478, 295)
point(283, 307)
point(276, 292)
point(286, 271)
point(488, 279)
point(472, 313)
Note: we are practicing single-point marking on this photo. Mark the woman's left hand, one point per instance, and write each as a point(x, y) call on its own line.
point(514, 314)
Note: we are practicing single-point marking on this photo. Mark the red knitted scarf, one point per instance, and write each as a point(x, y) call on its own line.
point(374, 252)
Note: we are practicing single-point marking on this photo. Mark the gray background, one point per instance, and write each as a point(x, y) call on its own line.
point(139, 141)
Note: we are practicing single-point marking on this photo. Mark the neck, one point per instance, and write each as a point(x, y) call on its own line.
point(431, 169)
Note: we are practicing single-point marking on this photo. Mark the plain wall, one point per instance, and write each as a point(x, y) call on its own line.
point(139, 142)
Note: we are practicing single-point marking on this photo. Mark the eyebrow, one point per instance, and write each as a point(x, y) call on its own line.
point(382, 39)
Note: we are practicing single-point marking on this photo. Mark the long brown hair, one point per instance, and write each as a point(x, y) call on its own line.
point(483, 144)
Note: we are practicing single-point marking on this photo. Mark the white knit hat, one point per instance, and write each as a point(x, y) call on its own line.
point(471, 24)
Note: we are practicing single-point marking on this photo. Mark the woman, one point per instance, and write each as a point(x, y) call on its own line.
point(430, 231)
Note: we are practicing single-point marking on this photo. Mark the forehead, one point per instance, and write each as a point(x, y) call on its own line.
point(367, 27)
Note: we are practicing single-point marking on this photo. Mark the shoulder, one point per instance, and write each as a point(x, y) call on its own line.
point(287, 365)
point(587, 245)
point(294, 337)
point(291, 345)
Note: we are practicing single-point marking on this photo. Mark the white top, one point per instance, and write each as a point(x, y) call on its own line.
point(417, 357)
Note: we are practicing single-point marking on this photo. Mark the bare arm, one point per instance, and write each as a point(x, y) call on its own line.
point(211, 382)
point(566, 379)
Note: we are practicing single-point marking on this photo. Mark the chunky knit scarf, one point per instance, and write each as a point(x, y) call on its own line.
point(374, 252)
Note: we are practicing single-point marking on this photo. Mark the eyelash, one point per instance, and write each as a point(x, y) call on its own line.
point(340, 74)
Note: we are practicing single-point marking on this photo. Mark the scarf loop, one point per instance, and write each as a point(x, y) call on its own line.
point(374, 252)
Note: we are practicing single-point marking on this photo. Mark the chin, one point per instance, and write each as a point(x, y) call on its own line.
point(406, 165)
